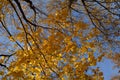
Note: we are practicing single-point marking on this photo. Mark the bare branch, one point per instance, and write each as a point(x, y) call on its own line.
point(11, 35)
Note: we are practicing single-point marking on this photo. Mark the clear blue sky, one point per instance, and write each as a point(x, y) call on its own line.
point(106, 66)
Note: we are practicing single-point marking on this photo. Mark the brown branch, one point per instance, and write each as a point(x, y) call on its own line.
point(33, 8)
point(84, 4)
point(24, 17)
point(11, 35)
point(31, 5)
point(22, 24)
point(42, 55)
point(5, 55)
point(106, 8)
point(3, 65)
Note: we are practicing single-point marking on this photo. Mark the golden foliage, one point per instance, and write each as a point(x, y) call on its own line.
point(53, 53)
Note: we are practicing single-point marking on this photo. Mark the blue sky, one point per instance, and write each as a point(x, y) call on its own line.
point(106, 66)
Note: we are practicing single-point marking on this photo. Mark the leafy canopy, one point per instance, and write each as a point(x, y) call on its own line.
point(49, 40)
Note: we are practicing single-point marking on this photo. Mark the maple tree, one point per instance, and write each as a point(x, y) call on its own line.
point(57, 39)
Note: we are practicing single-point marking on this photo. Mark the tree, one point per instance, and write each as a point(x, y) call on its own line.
point(55, 40)
point(116, 77)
